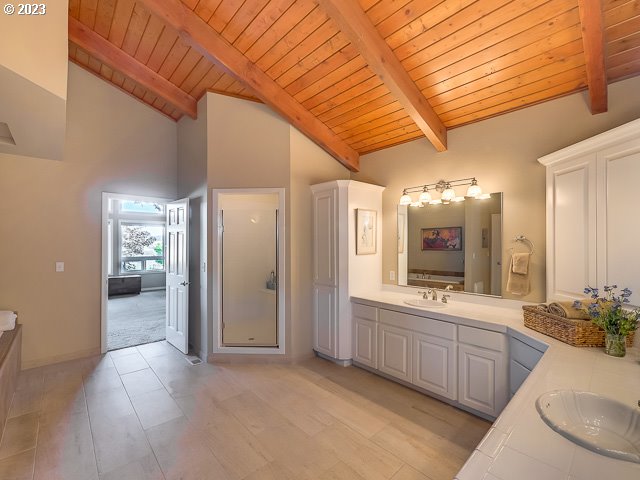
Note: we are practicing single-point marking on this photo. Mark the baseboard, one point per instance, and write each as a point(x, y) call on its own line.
point(39, 362)
point(337, 361)
point(220, 358)
point(152, 289)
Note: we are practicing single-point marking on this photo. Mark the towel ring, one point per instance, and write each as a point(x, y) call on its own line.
point(526, 241)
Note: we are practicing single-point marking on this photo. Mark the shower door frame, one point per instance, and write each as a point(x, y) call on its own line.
point(216, 222)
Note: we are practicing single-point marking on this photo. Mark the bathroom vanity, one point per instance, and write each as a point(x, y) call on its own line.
point(476, 354)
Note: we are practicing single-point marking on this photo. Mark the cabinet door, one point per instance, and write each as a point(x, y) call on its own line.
point(394, 351)
point(482, 379)
point(618, 229)
point(571, 228)
point(434, 365)
point(365, 342)
point(324, 319)
point(325, 240)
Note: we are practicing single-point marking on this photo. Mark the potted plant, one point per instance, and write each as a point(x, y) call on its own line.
point(610, 314)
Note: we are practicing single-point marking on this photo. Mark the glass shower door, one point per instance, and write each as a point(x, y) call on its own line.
point(249, 269)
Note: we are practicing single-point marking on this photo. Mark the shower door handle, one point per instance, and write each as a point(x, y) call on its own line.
point(184, 284)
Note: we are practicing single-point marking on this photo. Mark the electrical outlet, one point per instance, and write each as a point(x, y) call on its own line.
point(59, 266)
point(392, 275)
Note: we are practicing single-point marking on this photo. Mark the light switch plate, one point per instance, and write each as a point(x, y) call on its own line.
point(392, 275)
point(59, 266)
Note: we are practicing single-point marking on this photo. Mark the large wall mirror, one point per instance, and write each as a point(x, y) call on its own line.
point(458, 244)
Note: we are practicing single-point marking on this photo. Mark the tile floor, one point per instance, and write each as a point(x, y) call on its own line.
point(144, 413)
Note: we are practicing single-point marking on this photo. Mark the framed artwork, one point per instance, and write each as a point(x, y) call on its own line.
point(443, 238)
point(402, 221)
point(366, 231)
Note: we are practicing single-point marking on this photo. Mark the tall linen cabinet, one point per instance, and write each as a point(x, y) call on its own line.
point(338, 272)
point(592, 226)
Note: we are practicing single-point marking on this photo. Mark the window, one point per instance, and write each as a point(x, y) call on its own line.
point(141, 247)
point(135, 206)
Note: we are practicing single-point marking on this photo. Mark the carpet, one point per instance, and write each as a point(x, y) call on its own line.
point(135, 319)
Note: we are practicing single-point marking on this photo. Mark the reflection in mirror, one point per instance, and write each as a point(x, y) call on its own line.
point(459, 244)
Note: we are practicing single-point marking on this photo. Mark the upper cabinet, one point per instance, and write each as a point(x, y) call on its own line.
point(591, 232)
point(346, 259)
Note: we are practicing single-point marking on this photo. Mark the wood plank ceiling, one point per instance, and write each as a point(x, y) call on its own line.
point(471, 59)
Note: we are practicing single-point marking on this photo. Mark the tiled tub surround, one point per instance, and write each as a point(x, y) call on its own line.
point(519, 444)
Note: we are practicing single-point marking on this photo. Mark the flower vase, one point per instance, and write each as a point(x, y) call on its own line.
point(615, 345)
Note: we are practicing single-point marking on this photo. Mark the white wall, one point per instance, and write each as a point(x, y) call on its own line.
point(51, 212)
point(502, 153)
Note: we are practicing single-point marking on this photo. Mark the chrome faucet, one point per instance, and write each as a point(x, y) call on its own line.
point(434, 294)
point(424, 294)
point(445, 297)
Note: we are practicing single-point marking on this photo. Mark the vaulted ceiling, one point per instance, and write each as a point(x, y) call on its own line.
point(360, 75)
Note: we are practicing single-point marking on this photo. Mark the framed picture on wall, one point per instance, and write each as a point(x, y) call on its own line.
point(440, 239)
point(366, 231)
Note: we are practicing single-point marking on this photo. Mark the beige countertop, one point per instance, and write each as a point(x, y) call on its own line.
point(520, 445)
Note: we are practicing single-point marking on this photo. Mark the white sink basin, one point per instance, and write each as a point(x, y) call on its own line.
point(598, 423)
point(425, 303)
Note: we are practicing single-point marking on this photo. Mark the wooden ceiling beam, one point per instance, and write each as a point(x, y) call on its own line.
point(594, 52)
point(354, 23)
point(201, 37)
point(105, 51)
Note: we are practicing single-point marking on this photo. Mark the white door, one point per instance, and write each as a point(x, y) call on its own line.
point(434, 364)
point(481, 385)
point(177, 267)
point(324, 315)
point(394, 355)
point(365, 342)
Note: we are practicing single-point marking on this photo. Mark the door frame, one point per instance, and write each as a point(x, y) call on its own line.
point(104, 274)
point(216, 238)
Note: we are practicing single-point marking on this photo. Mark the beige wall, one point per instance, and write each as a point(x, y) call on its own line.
point(51, 212)
point(38, 49)
point(309, 165)
point(502, 152)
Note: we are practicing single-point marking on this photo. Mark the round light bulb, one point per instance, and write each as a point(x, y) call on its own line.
point(474, 189)
point(448, 194)
point(405, 199)
point(425, 196)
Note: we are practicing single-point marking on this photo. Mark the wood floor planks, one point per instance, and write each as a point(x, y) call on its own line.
point(145, 413)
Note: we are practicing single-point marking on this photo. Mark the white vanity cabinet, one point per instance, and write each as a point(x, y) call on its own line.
point(590, 187)
point(365, 335)
point(482, 370)
point(337, 270)
point(394, 351)
point(435, 364)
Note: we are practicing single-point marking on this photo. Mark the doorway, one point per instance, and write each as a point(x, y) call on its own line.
point(134, 276)
point(250, 244)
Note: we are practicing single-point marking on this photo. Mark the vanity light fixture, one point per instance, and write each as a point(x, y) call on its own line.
point(448, 194)
point(425, 196)
point(446, 190)
point(405, 199)
point(474, 189)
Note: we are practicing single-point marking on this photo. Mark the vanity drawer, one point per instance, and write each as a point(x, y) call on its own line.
point(364, 311)
point(481, 338)
point(419, 324)
point(524, 354)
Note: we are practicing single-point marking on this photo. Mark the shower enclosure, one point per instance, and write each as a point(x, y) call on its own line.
point(249, 269)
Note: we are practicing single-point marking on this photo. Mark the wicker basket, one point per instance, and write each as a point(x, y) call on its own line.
point(579, 333)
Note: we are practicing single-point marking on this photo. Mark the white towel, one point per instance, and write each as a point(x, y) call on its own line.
point(7, 320)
